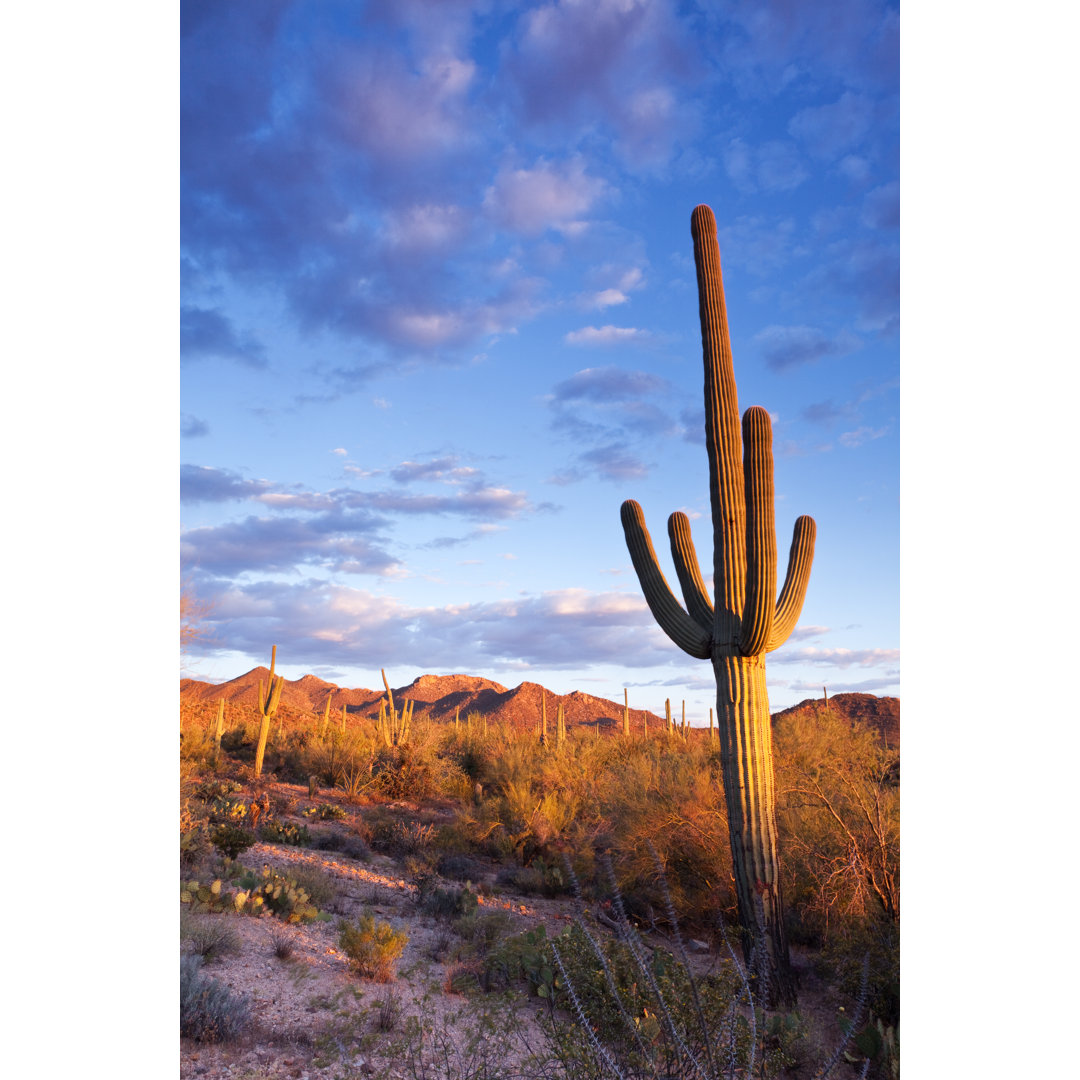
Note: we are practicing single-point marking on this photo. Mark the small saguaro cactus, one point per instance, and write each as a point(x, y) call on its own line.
point(268, 706)
point(626, 713)
point(219, 728)
point(748, 619)
point(392, 725)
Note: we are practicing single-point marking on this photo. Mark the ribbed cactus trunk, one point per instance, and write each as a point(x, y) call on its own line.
point(268, 706)
point(747, 620)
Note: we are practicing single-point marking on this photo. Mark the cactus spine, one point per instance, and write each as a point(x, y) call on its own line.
point(268, 706)
point(748, 619)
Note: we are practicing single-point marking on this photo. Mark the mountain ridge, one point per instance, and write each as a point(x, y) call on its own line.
point(441, 696)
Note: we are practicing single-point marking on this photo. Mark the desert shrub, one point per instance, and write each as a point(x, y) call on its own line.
point(231, 840)
point(388, 1012)
point(839, 822)
point(444, 903)
point(347, 844)
point(209, 1010)
point(839, 819)
point(238, 739)
point(403, 772)
point(321, 887)
point(373, 948)
point(460, 867)
point(280, 832)
point(326, 812)
point(208, 937)
point(400, 838)
point(216, 788)
point(540, 877)
point(281, 944)
point(878, 941)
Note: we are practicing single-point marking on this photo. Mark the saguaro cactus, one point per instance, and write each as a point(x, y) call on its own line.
point(268, 706)
point(747, 621)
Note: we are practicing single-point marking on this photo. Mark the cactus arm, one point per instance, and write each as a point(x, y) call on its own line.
point(275, 697)
point(667, 611)
point(757, 616)
point(721, 434)
point(689, 570)
point(389, 692)
point(789, 605)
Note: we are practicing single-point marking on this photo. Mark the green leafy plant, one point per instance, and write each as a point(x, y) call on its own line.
point(373, 948)
point(231, 840)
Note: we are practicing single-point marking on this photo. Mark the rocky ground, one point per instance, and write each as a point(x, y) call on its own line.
point(313, 1018)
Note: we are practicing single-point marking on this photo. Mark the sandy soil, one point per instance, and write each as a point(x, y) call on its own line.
point(314, 1019)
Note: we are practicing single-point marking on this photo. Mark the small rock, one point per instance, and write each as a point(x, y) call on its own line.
point(697, 946)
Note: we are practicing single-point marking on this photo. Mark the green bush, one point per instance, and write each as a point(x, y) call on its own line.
point(373, 948)
point(231, 840)
point(209, 1010)
point(443, 903)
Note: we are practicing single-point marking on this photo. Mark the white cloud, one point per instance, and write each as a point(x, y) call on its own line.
point(605, 335)
point(856, 438)
point(841, 658)
point(547, 196)
point(608, 298)
point(426, 227)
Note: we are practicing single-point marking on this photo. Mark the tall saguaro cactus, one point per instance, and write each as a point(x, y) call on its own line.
point(747, 620)
point(268, 706)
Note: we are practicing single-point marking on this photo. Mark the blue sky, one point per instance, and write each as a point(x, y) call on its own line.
point(439, 319)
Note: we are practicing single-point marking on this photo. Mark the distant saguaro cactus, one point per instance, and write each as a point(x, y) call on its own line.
point(391, 725)
point(268, 706)
point(748, 620)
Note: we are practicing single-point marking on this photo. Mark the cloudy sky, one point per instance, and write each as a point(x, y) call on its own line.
point(439, 319)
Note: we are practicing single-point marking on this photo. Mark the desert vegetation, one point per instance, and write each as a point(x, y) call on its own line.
point(609, 842)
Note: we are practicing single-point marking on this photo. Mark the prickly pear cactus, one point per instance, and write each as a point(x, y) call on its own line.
point(747, 620)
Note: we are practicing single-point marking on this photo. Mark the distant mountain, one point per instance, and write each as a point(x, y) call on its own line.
point(880, 713)
point(440, 696)
point(435, 696)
